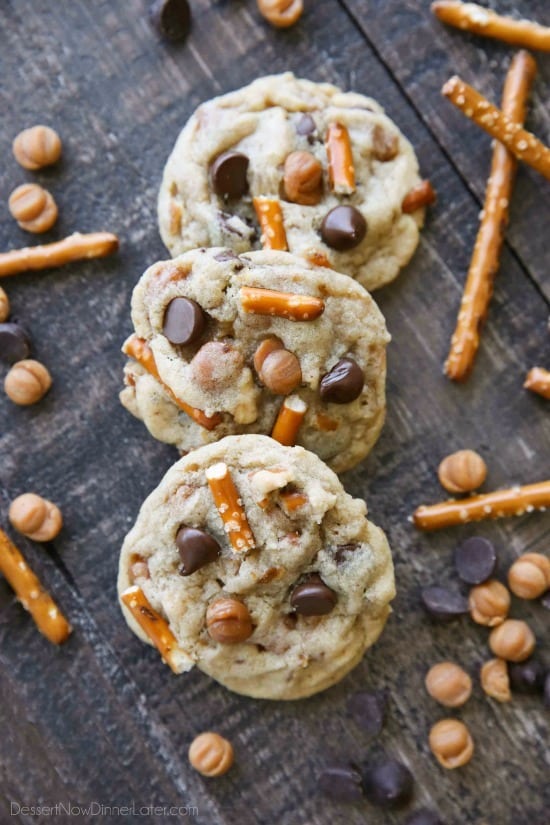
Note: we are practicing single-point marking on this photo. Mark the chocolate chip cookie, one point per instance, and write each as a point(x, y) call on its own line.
point(266, 572)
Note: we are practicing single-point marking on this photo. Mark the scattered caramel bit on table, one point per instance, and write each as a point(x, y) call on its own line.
point(35, 517)
point(37, 147)
point(483, 21)
point(270, 218)
point(489, 603)
point(291, 305)
point(512, 640)
point(462, 472)
point(210, 754)
point(495, 681)
point(341, 171)
point(33, 208)
point(303, 179)
point(451, 743)
point(289, 420)
point(27, 382)
point(529, 576)
point(230, 507)
point(448, 684)
point(281, 13)
point(538, 380)
point(228, 621)
point(76, 247)
point(421, 195)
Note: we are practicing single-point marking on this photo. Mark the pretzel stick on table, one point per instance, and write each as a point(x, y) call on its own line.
point(484, 265)
point(140, 351)
point(513, 502)
point(485, 22)
point(341, 172)
point(270, 218)
point(521, 143)
point(289, 420)
point(156, 629)
point(74, 248)
point(230, 507)
point(28, 589)
point(538, 380)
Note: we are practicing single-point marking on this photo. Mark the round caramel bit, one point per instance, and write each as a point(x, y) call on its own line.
point(462, 472)
point(303, 179)
point(513, 640)
point(448, 684)
point(529, 576)
point(489, 603)
point(451, 743)
point(265, 348)
point(37, 147)
point(4, 306)
point(27, 382)
point(211, 754)
point(281, 372)
point(33, 208)
point(228, 621)
point(281, 13)
point(385, 145)
point(216, 365)
point(35, 517)
point(495, 681)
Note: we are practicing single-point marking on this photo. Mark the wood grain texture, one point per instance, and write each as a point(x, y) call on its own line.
point(101, 719)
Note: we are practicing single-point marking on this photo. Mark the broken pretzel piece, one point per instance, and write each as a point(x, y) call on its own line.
point(290, 305)
point(421, 195)
point(28, 589)
point(270, 218)
point(74, 248)
point(289, 420)
point(140, 351)
point(478, 288)
point(230, 507)
point(341, 172)
point(487, 23)
point(292, 501)
point(513, 502)
point(156, 629)
point(538, 380)
point(521, 143)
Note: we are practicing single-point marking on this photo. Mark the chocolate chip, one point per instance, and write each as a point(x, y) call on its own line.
point(475, 560)
point(527, 677)
point(305, 125)
point(368, 709)
point(388, 784)
point(546, 691)
point(196, 549)
point(343, 228)
point(341, 782)
point(15, 344)
point(343, 552)
point(226, 255)
point(424, 817)
point(344, 383)
point(183, 321)
point(313, 597)
point(228, 174)
point(172, 18)
point(443, 605)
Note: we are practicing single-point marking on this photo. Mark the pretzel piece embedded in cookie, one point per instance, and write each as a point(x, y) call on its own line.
point(140, 351)
point(289, 420)
point(74, 248)
point(421, 195)
point(270, 218)
point(513, 502)
point(538, 380)
point(484, 265)
point(157, 629)
point(28, 589)
point(487, 23)
point(521, 143)
point(230, 507)
point(341, 172)
point(290, 305)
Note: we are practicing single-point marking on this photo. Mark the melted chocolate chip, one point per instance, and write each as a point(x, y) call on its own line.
point(172, 18)
point(184, 321)
point(527, 677)
point(388, 784)
point(343, 228)
point(15, 344)
point(305, 125)
point(313, 597)
point(475, 560)
point(368, 709)
point(343, 383)
point(342, 783)
point(424, 817)
point(443, 605)
point(228, 174)
point(196, 549)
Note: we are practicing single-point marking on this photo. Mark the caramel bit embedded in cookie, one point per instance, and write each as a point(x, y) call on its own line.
point(184, 321)
point(313, 597)
point(216, 365)
point(344, 382)
point(211, 754)
point(495, 681)
point(303, 179)
point(451, 743)
point(228, 174)
point(448, 684)
point(4, 306)
point(265, 348)
point(196, 549)
point(33, 208)
point(228, 621)
point(462, 472)
point(37, 147)
point(27, 382)
point(281, 13)
point(489, 603)
point(513, 640)
point(385, 145)
point(35, 517)
point(281, 372)
point(529, 576)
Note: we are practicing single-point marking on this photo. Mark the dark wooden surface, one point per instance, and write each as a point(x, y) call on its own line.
point(100, 720)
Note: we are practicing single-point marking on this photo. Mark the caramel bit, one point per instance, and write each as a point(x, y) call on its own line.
point(513, 640)
point(489, 603)
point(385, 145)
point(265, 348)
point(448, 684)
point(27, 382)
point(37, 147)
point(341, 171)
point(210, 754)
point(303, 179)
point(495, 681)
point(35, 517)
point(33, 208)
point(281, 13)
point(228, 621)
point(529, 576)
point(451, 743)
point(325, 423)
point(216, 366)
point(462, 472)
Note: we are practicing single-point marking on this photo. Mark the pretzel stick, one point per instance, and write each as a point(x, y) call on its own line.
point(513, 502)
point(484, 265)
point(341, 173)
point(319, 259)
point(538, 380)
point(156, 629)
point(290, 305)
point(49, 619)
point(140, 351)
point(423, 194)
point(230, 507)
point(289, 419)
point(521, 143)
point(74, 248)
point(479, 20)
point(270, 218)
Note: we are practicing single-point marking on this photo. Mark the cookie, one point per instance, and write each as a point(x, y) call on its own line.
point(289, 164)
point(262, 343)
point(276, 593)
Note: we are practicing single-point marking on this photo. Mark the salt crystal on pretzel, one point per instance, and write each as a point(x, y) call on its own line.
point(289, 420)
point(156, 629)
point(341, 172)
point(74, 248)
point(513, 502)
point(290, 305)
point(538, 380)
point(230, 507)
point(28, 589)
point(270, 218)
point(487, 23)
point(521, 143)
point(478, 288)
